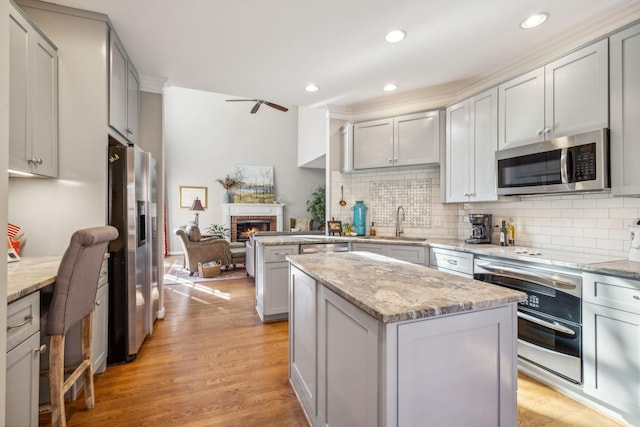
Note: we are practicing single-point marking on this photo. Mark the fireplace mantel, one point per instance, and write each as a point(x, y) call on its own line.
point(254, 209)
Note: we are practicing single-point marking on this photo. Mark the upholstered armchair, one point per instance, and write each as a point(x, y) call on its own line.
point(300, 224)
point(197, 249)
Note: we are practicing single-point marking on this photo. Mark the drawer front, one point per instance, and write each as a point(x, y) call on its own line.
point(103, 279)
point(461, 262)
point(278, 253)
point(23, 319)
point(615, 292)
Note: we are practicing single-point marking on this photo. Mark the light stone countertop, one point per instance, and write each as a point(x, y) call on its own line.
point(395, 291)
point(30, 274)
point(586, 262)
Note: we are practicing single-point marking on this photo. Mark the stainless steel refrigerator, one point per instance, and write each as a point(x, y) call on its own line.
point(132, 265)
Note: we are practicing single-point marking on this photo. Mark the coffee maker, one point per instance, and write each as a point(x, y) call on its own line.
point(480, 228)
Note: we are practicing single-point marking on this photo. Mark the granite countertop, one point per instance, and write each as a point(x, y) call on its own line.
point(298, 239)
point(30, 274)
point(586, 262)
point(395, 291)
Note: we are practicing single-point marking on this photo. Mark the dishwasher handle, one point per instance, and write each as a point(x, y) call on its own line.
point(313, 248)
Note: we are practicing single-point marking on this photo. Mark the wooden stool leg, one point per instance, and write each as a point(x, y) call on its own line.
point(89, 395)
point(56, 381)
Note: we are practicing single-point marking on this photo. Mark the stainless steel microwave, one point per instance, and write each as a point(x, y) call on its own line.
point(576, 163)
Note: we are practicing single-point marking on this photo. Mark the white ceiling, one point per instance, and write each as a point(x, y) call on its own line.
point(272, 49)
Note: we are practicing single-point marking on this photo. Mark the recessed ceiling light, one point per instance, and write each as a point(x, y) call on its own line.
point(395, 36)
point(390, 87)
point(534, 20)
point(311, 88)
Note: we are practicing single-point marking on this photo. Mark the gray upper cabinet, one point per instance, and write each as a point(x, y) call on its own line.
point(472, 139)
point(567, 96)
point(33, 98)
point(412, 139)
point(625, 110)
point(373, 144)
point(124, 87)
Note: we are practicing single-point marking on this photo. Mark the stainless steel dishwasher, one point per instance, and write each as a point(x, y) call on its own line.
point(312, 248)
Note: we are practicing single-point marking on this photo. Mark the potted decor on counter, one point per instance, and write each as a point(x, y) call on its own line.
point(228, 183)
point(316, 206)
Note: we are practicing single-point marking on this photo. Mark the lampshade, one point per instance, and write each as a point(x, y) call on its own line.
point(197, 205)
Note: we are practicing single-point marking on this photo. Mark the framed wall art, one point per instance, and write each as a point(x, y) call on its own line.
point(256, 184)
point(189, 194)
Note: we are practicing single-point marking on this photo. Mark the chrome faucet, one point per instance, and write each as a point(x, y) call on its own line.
point(399, 220)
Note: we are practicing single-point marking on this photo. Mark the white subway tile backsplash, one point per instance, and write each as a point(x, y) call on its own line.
point(623, 213)
point(596, 213)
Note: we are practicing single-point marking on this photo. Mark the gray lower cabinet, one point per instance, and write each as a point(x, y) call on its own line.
point(23, 361)
point(454, 262)
point(272, 280)
point(611, 341)
point(456, 370)
point(99, 334)
point(333, 355)
point(303, 336)
point(349, 369)
point(625, 110)
point(410, 253)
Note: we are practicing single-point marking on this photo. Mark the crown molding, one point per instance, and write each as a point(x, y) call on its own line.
point(152, 84)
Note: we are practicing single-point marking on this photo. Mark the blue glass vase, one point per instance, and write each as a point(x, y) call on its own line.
point(359, 218)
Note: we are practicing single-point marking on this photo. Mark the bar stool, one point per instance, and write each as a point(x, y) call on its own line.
point(73, 300)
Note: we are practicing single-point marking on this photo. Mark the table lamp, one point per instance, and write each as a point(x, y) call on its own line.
point(197, 206)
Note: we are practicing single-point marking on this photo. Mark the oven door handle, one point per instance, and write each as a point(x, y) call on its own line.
point(549, 325)
point(529, 276)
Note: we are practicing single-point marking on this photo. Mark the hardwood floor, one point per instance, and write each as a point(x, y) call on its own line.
point(211, 362)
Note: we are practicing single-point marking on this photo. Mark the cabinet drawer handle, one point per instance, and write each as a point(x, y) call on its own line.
point(452, 261)
point(26, 320)
point(41, 350)
point(98, 302)
point(281, 253)
point(390, 159)
point(129, 131)
point(547, 130)
point(636, 297)
point(539, 132)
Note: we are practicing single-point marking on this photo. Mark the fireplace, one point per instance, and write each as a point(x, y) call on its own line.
point(243, 227)
point(243, 219)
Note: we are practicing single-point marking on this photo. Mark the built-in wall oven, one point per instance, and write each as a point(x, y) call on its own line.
point(550, 319)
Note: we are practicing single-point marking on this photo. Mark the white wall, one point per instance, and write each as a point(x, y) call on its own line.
point(312, 136)
point(4, 154)
point(205, 137)
point(50, 210)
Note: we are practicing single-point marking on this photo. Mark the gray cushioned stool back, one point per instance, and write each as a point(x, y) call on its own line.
point(76, 286)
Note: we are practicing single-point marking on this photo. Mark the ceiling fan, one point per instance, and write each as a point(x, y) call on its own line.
point(258, 103)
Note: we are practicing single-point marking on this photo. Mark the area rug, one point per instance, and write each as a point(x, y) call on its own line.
point(176, 274)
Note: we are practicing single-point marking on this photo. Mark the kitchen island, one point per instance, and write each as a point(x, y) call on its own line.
point(375, 341)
